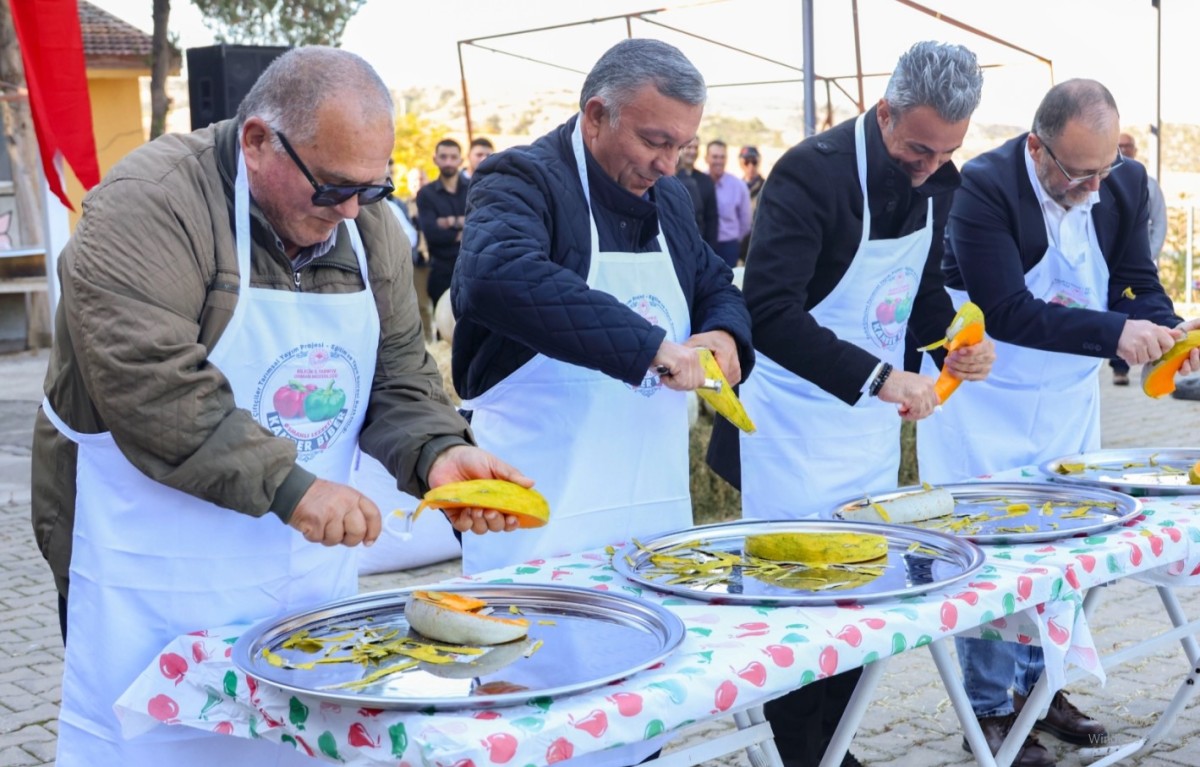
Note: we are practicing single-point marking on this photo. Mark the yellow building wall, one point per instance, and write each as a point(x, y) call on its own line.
point(116, 124)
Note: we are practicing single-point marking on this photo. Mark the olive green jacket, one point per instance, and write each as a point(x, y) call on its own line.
point(148, 284)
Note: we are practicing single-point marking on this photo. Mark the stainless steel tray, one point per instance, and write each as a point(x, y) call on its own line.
point(588, 639)
point(917, 561)
point(1137, 471)
point(980, 515)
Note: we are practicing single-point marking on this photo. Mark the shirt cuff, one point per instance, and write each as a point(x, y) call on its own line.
point(866, 387)
point(429, 453)
point(288, 494)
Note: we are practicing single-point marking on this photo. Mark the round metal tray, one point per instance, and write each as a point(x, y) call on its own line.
point(588, 639)
point(973, 500)
point(917, 561)
point(1137, 471)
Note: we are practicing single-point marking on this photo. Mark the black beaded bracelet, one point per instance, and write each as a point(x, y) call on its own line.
point(880, 379)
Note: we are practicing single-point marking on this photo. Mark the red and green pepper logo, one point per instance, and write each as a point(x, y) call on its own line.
point(889, 307)
point(303, 396)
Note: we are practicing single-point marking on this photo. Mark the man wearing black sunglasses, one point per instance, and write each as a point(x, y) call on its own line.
point(237, 320)
point(1048, 236)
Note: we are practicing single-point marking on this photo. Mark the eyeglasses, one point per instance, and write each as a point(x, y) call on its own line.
point(329, 195)
point(1073, 181)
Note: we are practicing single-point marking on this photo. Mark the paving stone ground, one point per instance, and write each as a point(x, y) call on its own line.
point(910, 723)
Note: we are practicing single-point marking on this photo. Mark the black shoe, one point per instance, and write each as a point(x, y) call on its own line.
point(995, 729)
point(1120, 379)
point(1067, 723)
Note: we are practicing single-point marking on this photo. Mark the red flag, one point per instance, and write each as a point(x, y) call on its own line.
point(52, 48)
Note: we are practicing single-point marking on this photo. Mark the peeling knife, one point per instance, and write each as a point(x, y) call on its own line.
point(709, 383)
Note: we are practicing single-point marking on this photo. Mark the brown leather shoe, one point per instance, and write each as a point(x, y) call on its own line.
point(995, 730)
point(1067, 723)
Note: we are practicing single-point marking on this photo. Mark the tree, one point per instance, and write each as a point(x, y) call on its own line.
point(18, 127)
point(278, 22)
point(161, 54)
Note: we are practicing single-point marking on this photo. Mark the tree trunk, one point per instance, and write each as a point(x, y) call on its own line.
point(18, 128)
point(160, 65)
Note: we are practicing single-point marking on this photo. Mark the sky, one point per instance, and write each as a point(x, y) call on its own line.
point(1114, 41)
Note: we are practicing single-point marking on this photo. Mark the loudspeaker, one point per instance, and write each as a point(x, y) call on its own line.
point(220, 76)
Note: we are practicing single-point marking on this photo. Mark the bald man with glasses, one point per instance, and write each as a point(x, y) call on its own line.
point(237, 321)
point(1048, 236)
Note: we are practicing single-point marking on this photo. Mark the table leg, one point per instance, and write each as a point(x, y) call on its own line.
point(1187, 689)
point(962, 705)
point(856, 708)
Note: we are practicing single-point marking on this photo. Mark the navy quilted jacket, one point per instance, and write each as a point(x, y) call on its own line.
point(520, 285)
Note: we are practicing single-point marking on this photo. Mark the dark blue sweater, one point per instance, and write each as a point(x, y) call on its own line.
point(520, 285)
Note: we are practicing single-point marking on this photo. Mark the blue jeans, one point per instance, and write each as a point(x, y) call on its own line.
point(991, 667)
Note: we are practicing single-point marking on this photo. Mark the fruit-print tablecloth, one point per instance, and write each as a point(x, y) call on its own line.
point(732, 657)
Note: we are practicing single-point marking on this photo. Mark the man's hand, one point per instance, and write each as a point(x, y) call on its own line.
point(684, 372)
point(1143, 341)
point(972, 363)
point(1192, 365)
point(724, 349)
point(912, 392)
point(463, 462)
point(334, 514)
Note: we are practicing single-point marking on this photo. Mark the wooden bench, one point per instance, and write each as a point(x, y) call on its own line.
point(23, 272)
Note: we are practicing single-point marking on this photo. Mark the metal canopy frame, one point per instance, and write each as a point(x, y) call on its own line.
point(830, 81)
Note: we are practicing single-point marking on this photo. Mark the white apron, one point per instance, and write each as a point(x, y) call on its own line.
point(612, 459)
point(812, 450)
point(1034, 405)
point(150, 563)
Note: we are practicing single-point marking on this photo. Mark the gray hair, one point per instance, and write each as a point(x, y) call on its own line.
point(289, 91)
point(630, 64)
point(944, 77)
point(1079, 99)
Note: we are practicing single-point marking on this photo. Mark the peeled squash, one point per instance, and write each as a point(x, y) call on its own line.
point(966, 329)
point(903, 509)
point(724, 401)
point(1194, 474)
point(817, 548)
point(1158, 378)
point(527, 505)
point(457, 619)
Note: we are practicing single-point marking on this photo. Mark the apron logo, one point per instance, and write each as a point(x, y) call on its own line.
point(307, 395)
point(653, 311)
point(889, 307)
point(1066, 294)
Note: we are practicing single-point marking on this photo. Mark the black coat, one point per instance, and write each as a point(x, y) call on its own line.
point(520, 285)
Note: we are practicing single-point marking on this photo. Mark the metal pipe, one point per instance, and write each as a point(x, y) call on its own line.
point(858, 59)
point(1158, 93)
point(462, 74)
point(810, 91)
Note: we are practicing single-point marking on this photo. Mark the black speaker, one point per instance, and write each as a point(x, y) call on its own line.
point(220, 76)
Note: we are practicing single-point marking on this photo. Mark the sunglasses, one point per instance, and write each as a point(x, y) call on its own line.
point(330, 195)
point(1073, 181)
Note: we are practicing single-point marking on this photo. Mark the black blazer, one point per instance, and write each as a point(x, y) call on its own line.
point(996, 234)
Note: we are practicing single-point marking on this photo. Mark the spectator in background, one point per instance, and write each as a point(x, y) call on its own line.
point(750, 160)
point(441, 211)
point(1158, 235)
point(701, 189)
point(481, 149)
point(733, 204)
point(399, 208)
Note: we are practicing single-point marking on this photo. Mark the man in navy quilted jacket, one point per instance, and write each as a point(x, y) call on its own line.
point(582, 291)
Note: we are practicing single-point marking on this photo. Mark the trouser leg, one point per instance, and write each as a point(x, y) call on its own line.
point(803, 721)
point(988, 668)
